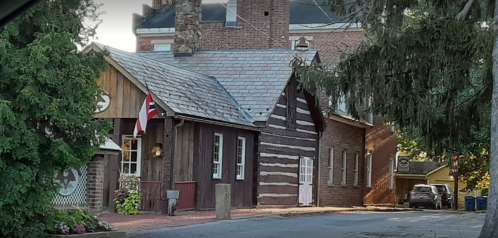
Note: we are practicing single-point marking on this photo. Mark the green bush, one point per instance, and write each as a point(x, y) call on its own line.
point(130, 204)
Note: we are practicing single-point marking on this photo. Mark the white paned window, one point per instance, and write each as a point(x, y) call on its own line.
point(241, 157)
point(369, 170)
point(344, 163)
point(217, 155)
point(331, 166)
point(356, 172)
point(231, 17)
point(391, 173)
point(131, 156)
point(162, 47)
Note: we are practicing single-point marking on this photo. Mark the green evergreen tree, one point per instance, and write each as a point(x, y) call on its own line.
point(430, 66)
point(47, 103)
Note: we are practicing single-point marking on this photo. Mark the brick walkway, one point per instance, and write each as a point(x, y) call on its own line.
point(153, 221)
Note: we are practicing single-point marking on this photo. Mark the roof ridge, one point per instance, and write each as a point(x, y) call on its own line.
point(136, 54)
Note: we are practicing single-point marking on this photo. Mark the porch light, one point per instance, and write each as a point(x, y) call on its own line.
point(157, 150)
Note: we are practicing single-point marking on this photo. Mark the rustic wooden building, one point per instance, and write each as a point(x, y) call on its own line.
point(201, 136)
point(264, 85)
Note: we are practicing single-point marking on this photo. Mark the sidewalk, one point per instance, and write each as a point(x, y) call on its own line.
point(153, 221)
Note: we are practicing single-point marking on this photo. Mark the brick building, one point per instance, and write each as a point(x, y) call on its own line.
point(365, 149)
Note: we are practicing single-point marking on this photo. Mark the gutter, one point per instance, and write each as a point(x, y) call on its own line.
point(320, 134)
point(174, 154)
point(250, 128)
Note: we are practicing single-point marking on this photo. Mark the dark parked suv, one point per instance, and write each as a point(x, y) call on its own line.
point(446, 194)
point(425, 195)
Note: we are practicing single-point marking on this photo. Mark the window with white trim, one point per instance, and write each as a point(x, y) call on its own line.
point(241, 157)
point(131, 156)
point(391, 173)
point(369, 170)
point(162, 47)
point(217, 155)
point(344, 163)
point(231, 17)
point(331, 167)
point(341, 105)
point(356, 172)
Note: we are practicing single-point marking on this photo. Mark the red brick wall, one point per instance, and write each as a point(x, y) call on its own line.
point(341, 136)
point(95, 184)
point(331, 44)
point(382, 142)
point(244, 36)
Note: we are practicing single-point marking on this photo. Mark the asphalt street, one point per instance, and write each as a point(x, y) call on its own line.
point(345, 225)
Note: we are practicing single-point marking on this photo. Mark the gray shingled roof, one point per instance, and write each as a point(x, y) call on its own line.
point(255, 78)
point(301, 12)
point(185, 92)
point(421, 167)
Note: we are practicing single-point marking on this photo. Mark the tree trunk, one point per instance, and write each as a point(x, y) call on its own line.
point(490, 227)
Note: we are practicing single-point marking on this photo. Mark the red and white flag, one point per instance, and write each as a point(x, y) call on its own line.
point(147, 111)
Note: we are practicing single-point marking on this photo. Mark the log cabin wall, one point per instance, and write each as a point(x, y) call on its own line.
point(204, 135)
point(289, 135)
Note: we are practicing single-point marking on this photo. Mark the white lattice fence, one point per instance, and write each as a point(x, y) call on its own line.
point(74, 186)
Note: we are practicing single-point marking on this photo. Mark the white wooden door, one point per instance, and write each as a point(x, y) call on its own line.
point(306, 181)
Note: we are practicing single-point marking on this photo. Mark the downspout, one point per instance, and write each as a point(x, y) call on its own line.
point(174, 154)
point(319, 165)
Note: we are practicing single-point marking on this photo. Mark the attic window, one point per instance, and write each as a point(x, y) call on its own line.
point(231, 18)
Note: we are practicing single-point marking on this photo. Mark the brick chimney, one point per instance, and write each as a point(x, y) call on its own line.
point(187, 27)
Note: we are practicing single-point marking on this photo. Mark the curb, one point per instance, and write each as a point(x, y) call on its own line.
point(290, 214)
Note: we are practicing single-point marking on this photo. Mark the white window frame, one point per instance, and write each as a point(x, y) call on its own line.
point(160, 46)
point(241, 166)
point(138, 142)
point(231, 17)
point(219, 163)
point(344, 167)
point(391, 173)
point(331, 167)
point(356, 169)
point(369, 170)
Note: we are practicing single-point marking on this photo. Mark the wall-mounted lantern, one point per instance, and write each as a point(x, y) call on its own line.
point(157, 150)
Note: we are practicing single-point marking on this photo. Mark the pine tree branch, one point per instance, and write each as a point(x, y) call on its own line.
point(462, 14)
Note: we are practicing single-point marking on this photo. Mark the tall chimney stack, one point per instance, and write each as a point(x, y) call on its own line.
point(187, 27)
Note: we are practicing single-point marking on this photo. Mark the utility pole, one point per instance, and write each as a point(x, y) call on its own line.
point(455, 180)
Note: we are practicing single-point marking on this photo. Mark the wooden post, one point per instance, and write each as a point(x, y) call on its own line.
point(167, 166)
point(223, 201)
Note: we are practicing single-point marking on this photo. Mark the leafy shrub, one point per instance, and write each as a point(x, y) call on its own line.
point(130, 204)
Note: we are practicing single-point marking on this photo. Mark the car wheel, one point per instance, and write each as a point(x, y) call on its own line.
point(450, 205)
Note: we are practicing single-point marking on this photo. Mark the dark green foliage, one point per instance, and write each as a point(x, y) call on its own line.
point(47, 100)
point(428, 72)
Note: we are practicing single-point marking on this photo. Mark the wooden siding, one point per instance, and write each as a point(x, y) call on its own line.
point(203, 165)
point(281, 147)
point(151, 168)
point(126, 98)
point(184, 157)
